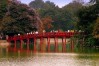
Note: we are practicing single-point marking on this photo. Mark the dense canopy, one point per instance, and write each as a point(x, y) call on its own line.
point(18, 18)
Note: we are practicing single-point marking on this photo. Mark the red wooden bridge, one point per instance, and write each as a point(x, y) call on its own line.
point(41, 36)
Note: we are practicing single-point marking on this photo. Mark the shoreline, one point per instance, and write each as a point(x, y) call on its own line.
point(4, 44)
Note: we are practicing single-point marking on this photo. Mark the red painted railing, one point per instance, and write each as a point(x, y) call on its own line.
point(47, 35)
point(42, 35)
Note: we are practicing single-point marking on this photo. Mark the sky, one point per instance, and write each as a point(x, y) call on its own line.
point(60, 3)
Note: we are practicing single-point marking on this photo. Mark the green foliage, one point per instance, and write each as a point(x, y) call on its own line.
point(4, 2)
point(63, 18)
point(96, 29)
point(88, 23)
point(90, 41)
point(17, 18)
point(87, 16)
point(73, 7)
point(97, 1)
point(2, 10)
point(37, 4)
point(47, 23)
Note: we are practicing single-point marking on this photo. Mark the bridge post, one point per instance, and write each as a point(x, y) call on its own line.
point(72, 44)
point(41, 42)
point(64, 44)
point(48, 42)
point(34, 45)
point(28, 44)
point(21, 44)
point(14, 44)
point(56, 44)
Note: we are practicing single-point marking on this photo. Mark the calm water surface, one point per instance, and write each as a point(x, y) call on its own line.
point(49, 59)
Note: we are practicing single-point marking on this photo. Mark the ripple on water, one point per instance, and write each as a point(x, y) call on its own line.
point(53, 59)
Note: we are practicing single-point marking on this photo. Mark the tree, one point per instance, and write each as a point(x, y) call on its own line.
point(49, 4)
point(48, 10)
point(47, 23)
point(96, 29)
point(87, 17)
point(37, 4)
point(97, 1)
point(88, 22)
point(18, 18)
point(79, 1)
point(69, 15)
point(63, 18)
point(96, 26)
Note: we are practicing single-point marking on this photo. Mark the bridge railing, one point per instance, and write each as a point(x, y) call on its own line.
point(42, 35)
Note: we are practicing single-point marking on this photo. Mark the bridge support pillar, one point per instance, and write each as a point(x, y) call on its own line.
point(34, 49)
point(28, 44)
point(21, 44)
point(56, 44)
point(64, 44)
point(14, 44)
point(48, 42)
point(72, 45)
point(41, 42)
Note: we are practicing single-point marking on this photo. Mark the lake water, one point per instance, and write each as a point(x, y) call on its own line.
point(78, 58)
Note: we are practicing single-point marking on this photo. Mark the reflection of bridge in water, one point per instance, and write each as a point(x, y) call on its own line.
point(30, 40)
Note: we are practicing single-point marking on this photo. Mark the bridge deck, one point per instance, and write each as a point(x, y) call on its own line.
point(43, 35)
point(48, 35)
